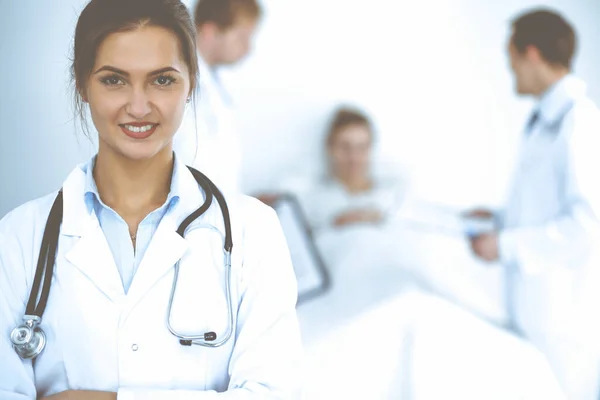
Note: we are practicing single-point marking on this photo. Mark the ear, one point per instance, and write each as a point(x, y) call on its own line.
point(532, 53)
point(209, 30)
point(81, 91)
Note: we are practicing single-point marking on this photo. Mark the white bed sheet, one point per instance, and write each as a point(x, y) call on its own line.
point(379, 334)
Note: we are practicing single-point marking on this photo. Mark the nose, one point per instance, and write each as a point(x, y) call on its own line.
point(139, 104)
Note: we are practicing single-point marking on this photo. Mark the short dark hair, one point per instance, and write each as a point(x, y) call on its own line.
point(547, 31)
point(345, 117)
point(100, 18)
point(225, 13)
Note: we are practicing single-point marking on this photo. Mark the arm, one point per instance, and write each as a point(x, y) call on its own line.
point(266, 360)
point(485, 214)
point(19, 250)
point(571, 234)
point(357, 216)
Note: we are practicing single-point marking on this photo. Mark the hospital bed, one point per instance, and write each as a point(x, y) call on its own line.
point(409, 314)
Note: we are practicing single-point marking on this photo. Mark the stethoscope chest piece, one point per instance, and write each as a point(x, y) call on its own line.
point(28, 339)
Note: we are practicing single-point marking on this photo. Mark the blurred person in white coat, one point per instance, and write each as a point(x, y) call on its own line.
point(209, 139)
point(547, 237)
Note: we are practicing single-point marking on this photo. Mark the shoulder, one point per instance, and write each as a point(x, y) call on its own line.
point(586, 104)
point(257, 231)
point(391, 183)
point(250, 212)
point(584, 114)
point(21, 232)
point(582, 123)
point(27, 218)
point(385, 182)
point(257, 224)
point(323, 189)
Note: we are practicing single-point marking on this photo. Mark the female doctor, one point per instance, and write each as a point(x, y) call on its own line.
point(138, 300)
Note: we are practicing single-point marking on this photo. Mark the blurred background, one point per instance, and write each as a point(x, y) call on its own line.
point(433, 77)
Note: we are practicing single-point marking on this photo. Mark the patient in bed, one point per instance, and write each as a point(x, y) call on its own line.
point(349, 194)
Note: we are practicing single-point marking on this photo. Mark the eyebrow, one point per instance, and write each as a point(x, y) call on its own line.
point(124, 73)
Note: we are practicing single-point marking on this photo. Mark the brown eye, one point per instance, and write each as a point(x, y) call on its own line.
point(164, 80)
point(112, 80)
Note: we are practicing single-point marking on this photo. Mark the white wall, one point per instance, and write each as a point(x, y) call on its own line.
point(433, 74)
point(39, 142)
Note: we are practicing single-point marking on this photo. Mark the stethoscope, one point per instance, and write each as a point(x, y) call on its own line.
point(29, 340)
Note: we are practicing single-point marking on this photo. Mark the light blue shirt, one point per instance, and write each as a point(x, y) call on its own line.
point(116, 230)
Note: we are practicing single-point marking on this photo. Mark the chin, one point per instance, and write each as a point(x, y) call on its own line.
point(140, 151)
point(235, 59)
point(521, 91)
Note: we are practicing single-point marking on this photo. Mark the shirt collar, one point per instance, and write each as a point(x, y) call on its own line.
point(205, 71)
point(209, 76)
point(559, 97)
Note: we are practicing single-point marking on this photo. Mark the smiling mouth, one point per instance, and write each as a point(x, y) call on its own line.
point(138, 128)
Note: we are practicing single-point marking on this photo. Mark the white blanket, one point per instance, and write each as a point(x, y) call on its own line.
point(378, 334)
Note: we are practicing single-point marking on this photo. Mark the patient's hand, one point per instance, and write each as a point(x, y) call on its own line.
point(358, 216)
point(82, 395)
point(269, 198)
point(485, 246)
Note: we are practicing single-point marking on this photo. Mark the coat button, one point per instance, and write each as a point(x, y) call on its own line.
point(134, 347)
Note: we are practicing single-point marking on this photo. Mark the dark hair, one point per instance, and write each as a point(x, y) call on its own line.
point(224, 13)
point(343, 118)
point(100, 18)
point(547, 31)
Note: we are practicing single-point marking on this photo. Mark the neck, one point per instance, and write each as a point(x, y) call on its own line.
point(132, 187)
point(356, 184)
point(206, 51)
point(549, 78)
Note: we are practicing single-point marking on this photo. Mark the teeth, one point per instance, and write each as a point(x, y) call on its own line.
point(138, 129)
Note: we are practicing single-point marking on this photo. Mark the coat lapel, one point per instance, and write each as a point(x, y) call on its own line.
point(90, 253)
point(165, 249)
point(92, 256)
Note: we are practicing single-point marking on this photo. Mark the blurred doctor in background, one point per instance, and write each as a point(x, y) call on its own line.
point(547, 237)
point(209, 139)
point(350, 194)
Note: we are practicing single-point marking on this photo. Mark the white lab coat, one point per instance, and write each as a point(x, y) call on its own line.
point(208, 139)
point(100, 338)
point(550, 241)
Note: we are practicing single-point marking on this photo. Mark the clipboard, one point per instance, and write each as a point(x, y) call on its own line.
point(311, 274)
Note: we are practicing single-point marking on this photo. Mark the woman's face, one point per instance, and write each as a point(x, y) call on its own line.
point(350, 152)
point(137, 92)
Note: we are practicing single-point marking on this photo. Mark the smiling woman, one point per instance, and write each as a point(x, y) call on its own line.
point(113, 319)
point(138, 88)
